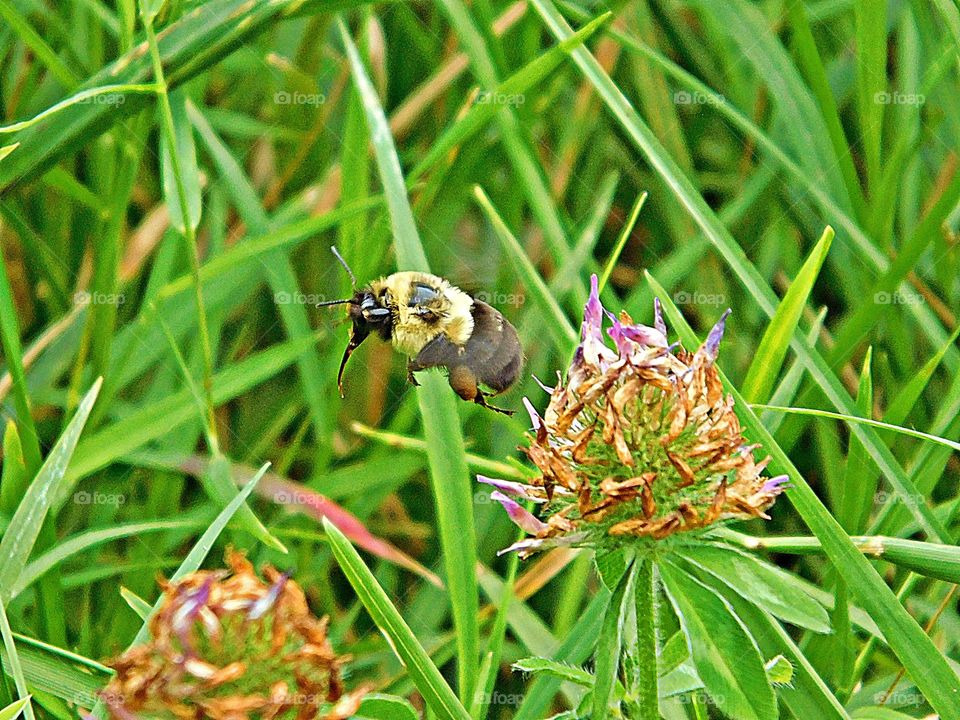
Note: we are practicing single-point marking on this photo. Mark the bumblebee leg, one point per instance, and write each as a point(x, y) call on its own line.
point(480, 399)
point(412, 367)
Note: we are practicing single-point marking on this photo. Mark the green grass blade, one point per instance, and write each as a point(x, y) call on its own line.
point(13, 710)
point(920, 657)
point(437, 694)
point(13, 480)
point(13, 658)
point(50, 483)
point(13, 356)
point(856, 420)
point(870, 19)
point(57, 67)
point(61, 673)
point(89, 539)
point(519, 83)
point(514, 136)
point(279, 270)
point(773, 346)
point(559, 324)
point(442, 431)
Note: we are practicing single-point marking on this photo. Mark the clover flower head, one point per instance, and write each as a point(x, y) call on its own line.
point(226, 645)
point(638, 441)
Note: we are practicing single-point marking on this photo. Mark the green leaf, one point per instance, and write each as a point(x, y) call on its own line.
point(767, 586)
point(555, 668)
point(921, 658)
point(772, 350)
point(809, 696)
point(376, 706)
point(779, 671)
point(13, 710)
point(611, 565)
point(435, 691)
point(726, 657)
point(673, 654)
point(50, 483)
point(187, 164)
point(606, 658)
point(879, 713)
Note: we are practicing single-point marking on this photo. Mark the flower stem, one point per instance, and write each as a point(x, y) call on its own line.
point(646, 690)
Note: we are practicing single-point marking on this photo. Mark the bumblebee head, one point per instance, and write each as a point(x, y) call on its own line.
point(367, 311)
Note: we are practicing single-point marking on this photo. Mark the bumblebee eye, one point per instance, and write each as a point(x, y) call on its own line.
point(421, 294)
point(376, 314)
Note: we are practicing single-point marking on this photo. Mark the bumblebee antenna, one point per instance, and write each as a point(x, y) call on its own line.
point(333, 302)
point(353, 280)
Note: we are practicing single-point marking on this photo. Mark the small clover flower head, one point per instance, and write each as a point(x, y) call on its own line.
point(639, 442)
point(229, 646)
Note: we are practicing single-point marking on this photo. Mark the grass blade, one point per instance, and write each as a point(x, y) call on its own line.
point(427, 678)
point(13, 658)
point(775, 342)
point(442, 432)
point(50, 483)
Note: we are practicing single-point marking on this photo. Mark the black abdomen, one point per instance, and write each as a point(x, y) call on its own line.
point(493, 351)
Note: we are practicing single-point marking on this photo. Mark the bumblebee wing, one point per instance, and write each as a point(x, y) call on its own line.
point(439, 352)
point(493, 351)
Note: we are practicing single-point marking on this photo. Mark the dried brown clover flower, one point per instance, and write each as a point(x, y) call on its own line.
point(638, 442)
point(225, 645)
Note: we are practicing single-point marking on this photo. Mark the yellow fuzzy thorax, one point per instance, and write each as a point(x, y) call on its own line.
point(410, 332)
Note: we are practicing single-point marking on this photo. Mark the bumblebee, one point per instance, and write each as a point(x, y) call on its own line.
point(436, 325)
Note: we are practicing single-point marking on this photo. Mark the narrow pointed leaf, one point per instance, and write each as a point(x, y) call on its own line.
point(435, 691)
point(726, 657)
point(773, 346)
point(49, 484)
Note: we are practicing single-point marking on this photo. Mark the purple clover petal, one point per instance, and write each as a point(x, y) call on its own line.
point(265, 602)
point(658, 322)
point(546, 388)
point(117, 708)
point(619, 336)
point(519, 514)
point(592, 313)
point(645, 335)
point(712, 345)
point(775, 485)
point(188, 611)
point(535, 418)
point(528, 544)
point(511, 489)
